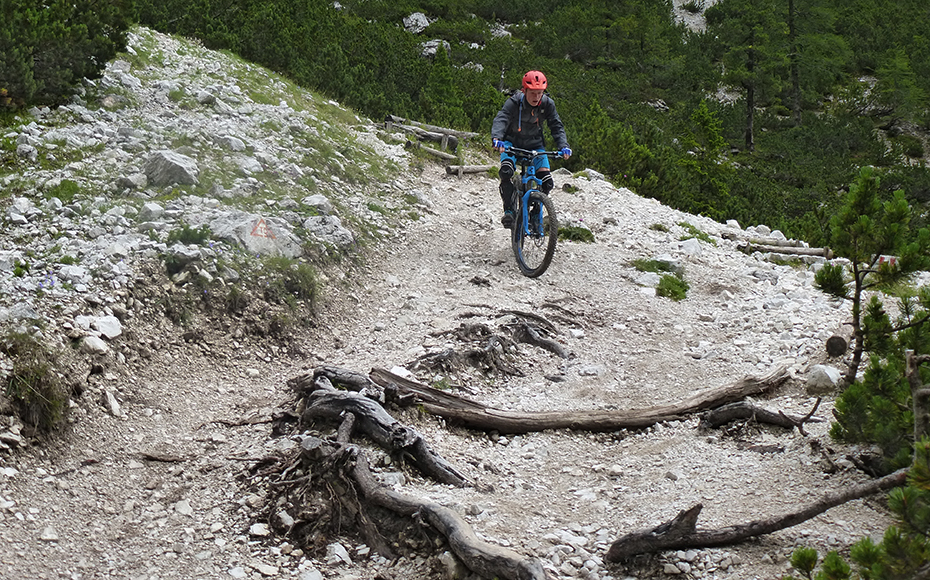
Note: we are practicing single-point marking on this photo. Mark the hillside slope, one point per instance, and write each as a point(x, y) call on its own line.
point(156, 474)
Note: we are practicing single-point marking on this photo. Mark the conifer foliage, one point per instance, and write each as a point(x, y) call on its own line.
point(48, 46)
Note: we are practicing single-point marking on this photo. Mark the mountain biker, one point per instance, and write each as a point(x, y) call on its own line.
point(519, 124)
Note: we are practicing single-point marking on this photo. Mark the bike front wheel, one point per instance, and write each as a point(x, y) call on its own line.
point(534, 235)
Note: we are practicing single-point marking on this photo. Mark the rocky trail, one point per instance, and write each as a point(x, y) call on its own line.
point(163, 479)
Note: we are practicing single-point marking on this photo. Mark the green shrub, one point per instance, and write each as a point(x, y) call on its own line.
point(34, 386)
point(911, 146)
point(65, 191)
point(831, 278)
point(693, 7)
point(188, 235)
point(289, 281)
point(576, 234)
point(671, 286)
point(68, 260)
point(49, 47)
point(659, 228)
point(652, 266)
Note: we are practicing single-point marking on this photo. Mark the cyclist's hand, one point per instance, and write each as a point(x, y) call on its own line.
point(499, 145)
point(566, 152)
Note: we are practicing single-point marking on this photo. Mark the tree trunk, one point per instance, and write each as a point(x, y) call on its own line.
point(681, 533)
point(461, 411)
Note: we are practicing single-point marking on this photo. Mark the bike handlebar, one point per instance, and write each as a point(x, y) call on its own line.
point(531, 153)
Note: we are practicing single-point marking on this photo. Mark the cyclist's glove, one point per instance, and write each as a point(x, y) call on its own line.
point(566, 152)
point(498, 143)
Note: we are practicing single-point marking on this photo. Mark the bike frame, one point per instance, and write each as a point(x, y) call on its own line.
point(529, 183)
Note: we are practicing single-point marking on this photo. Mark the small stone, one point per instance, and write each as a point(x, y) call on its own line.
point(260, 530)
point(49, 535)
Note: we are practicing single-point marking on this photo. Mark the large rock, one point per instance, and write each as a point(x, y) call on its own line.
point(267, 236)
point(168, 168)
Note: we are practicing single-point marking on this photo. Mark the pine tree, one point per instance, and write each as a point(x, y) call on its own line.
point(875, 238)
point(48, 46)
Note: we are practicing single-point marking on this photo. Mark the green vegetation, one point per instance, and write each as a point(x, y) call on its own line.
point(47, 48)
point(576, 234)
point(190, 236)
point(672, 286)
point(672, 283)
point(801, 122)
point(34, 385)
point(693, 232)
point(66, 190)
point(903, 551)
point(868, 232)
point(288, 281)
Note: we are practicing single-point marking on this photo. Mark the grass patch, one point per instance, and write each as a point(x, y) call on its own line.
point(693, 232)
point(66, 190)
point(671, 286)
point(653, 266)
point(34, 386)
point(659, 228)
point(576, 234)
point(289, 281)
point(190, 236)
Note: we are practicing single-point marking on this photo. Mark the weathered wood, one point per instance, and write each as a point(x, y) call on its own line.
point(434, 128)
point(791, 250)
point(461, 411)
point(372, 420)
point(486, 560)
point(839, 341)
point(749, 410)
point(431, 151)
point(444, 139)
point(460, 169)
point(681, 532)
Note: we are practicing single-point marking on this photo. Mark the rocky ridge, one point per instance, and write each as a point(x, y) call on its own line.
point(153, 479)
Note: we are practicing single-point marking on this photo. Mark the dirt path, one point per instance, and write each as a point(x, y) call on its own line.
point(165, 491)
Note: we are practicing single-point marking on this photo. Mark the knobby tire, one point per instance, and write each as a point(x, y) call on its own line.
point(534, 253)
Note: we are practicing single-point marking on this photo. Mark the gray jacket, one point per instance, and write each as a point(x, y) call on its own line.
point(521, 124)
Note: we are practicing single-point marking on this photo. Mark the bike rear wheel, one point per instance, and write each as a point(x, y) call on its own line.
point(534, 243)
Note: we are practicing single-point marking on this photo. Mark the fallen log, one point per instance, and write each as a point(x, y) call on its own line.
point(434, 128)
point(839, 341)
point(460, 169)
point(444, 139)
point(431, 151)
point(372, 420)
point(474, 415)
point(681, 532)
point(791, 250)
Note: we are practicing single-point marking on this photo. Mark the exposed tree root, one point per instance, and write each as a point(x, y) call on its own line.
point(681, 532)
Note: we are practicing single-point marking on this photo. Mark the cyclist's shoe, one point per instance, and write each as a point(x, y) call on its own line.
point(507, 220)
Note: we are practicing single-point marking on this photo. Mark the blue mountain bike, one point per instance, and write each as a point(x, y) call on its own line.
point(535, 228)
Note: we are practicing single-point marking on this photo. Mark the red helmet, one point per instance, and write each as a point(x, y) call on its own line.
point(534, 80)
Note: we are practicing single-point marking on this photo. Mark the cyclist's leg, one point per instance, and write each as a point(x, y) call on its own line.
point(507, 170)
point(543, 173)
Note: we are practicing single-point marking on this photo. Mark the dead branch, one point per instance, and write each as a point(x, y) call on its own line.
point(528, 334)
point(373, 421)
point(749, 410)
point(461, 411)
point(681, 532)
